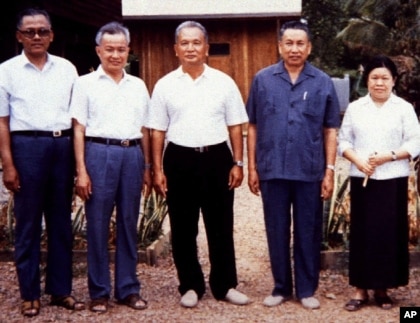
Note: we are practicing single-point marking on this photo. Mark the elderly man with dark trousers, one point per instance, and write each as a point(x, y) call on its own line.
point(38, 161)
point(109, 108)
point(292, 141)
point(197, 108)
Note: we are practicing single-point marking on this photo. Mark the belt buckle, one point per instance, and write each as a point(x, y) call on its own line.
point(57, 133)
point(125, 143)
point(201, 149)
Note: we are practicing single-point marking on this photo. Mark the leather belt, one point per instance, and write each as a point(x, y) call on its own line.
point(202, 149)
point(41, 133)
point(115, 142)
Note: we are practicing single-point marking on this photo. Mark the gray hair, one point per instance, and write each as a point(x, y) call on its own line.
point(191, 24)
point(112, 28)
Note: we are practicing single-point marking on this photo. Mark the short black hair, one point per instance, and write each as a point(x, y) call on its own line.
point(31, 12)
point(295, 24)
point(379, 61)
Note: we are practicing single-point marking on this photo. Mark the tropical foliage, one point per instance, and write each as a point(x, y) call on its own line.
point(348, 32)
point(326, 19)
point(389, 27)
point(154, 211)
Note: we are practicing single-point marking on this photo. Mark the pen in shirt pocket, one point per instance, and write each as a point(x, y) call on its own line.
point(304, 95)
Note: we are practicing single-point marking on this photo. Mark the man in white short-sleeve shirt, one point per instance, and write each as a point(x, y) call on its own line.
point(38, 161)
point(197, 109)
point(109, 109)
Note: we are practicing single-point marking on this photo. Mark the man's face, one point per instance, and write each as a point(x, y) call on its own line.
point(294, 47)
point(113, 53)
point(35, 35)
point(191, 46)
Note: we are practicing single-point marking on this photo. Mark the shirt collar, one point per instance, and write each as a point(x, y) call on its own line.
point(307, 71)
point(367, 99)
point(180, 73)
point(24, 60)
point(101, 74)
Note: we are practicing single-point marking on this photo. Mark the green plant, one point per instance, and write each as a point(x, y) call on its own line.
point(149, 228)
point(154, 212)
point(337, 226)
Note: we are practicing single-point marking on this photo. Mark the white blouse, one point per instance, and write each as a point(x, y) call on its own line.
point(368, 129)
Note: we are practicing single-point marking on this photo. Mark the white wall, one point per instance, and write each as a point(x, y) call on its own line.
point(153, 9)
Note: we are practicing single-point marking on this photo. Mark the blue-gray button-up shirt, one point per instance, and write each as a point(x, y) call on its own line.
point(290, 119)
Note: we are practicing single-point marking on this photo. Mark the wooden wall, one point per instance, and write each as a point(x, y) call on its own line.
point(253, 45)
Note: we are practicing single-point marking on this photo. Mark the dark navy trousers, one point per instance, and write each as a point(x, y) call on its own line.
point(46, 168)
point(116, 174)
point(286, 202)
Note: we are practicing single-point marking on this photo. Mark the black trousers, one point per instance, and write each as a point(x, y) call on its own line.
point(199, 181)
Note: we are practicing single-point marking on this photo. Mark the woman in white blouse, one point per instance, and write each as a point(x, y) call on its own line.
point(379, 135)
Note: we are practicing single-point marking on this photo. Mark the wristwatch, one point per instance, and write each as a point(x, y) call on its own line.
point(394, 155)
point(332, 167)
point(239, 163)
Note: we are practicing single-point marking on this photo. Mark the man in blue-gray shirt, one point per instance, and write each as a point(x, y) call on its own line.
point(293, 115)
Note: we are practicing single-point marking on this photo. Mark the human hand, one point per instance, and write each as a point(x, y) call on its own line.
point(254, 182)
point(11, 179)
point(236, 176)
point(83, 186)
point(327, 186)
point(159, 183)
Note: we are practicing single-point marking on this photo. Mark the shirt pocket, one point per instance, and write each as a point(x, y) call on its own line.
point(315, 104)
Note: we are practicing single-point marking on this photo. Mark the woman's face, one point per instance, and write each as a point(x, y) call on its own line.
point(380, 84)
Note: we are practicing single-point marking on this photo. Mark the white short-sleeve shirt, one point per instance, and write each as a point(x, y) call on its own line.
point(108, 109)
point(36, 99)
point(196, 112)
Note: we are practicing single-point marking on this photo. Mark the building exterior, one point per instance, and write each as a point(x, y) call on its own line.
point(75, 24)
point(242, 34)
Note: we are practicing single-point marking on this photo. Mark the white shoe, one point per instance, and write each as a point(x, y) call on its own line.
point(271, 300)
point(189, 299)
point(235, 297)
point(310, 302)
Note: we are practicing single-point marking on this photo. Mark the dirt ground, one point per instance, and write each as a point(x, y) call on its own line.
point(159, 286)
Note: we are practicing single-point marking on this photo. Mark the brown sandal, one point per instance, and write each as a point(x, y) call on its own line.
point(134, 301)
point(68, 302)
point(99, 305)
point(30, 308)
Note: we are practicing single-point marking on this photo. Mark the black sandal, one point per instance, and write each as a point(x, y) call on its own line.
point(68, 302)
point(384, 302)
point(355, 304)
